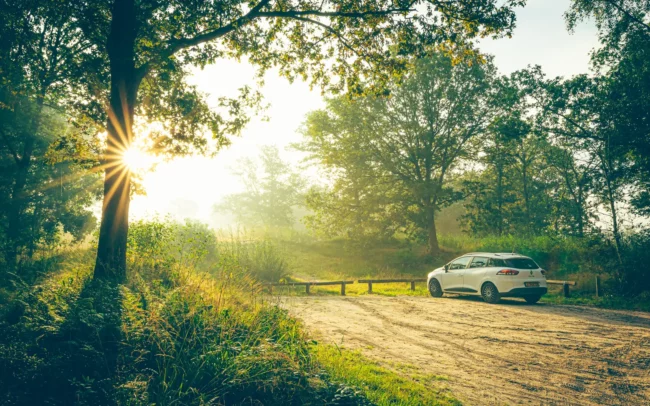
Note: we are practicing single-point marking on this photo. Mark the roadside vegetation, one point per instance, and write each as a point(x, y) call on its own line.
point(312, 259)
point(190, 325)
point(384, 385)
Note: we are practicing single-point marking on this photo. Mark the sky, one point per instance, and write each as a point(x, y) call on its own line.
point(189, 187)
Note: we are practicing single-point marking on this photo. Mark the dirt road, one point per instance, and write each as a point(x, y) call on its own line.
point(511, 353)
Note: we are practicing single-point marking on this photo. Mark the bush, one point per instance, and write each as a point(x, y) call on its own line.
point(164, 244)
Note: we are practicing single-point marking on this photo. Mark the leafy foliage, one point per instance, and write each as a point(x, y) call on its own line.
point(43, 192)
point(391, 158)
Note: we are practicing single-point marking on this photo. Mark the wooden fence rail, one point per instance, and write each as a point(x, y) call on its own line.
point(565, 286)
point(407, 280)
point(307, 285)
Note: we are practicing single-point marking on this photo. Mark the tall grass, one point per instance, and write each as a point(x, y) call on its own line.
point(259, 257)
point(187, 328)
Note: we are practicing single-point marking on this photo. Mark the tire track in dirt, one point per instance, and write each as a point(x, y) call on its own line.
point(496, 354)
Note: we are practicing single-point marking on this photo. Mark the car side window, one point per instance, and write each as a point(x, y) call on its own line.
point(460, 263)
point(494, 262)
point(479, 262)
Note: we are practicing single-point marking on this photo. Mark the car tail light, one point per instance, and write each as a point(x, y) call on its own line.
point(508, 272)
point(543, 272)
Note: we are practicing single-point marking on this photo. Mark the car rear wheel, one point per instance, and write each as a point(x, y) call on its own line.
point(532, 299)
point(490, 293)
point(434, 288)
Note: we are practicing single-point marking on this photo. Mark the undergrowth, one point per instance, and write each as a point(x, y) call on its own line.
point(581, 260)
point(182, 330)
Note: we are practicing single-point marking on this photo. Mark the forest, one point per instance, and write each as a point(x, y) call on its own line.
point(422, 150)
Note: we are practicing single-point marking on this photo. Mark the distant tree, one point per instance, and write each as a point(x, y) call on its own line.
point(410, 143)
point(574, 175)
point(516, 198)
point(572, 113)
point(492, 194)
point(273, 190)
point(361, 199)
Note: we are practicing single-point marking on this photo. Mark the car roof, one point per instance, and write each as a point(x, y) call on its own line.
point(503, 255)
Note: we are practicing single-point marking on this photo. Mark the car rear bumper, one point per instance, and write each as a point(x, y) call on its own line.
point(520, 292)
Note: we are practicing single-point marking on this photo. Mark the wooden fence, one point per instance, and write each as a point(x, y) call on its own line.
point(307, 285)
point(565, 284)
point(411, 281)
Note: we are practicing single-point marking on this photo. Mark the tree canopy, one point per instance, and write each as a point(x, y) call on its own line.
point(129, 58)
point(398, 153)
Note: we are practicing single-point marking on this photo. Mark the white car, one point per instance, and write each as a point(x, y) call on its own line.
point(491, 276)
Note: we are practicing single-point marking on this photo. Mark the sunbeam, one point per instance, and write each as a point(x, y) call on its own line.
point(136, 159)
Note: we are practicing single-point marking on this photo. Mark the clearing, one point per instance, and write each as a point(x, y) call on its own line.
point(511, 353)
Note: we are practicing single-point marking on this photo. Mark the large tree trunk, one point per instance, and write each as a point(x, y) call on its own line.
point(17, 205)
point(524, 174)
point(111, 251)
point(434, 248)
point(500, 199)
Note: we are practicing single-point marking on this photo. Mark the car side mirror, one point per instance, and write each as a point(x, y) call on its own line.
point(446, 267)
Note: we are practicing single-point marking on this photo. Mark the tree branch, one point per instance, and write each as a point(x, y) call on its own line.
point(628, 14)
point(319, 13)
point(176, 45)
point(329, 29)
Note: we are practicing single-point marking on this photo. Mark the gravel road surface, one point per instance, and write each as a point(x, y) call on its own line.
point(510, 353)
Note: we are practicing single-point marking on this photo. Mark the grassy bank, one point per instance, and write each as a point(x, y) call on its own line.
point(189, 326)
point(382, 385)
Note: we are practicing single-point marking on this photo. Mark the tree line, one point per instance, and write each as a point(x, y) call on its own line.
point(105, 63)
point(524, 154)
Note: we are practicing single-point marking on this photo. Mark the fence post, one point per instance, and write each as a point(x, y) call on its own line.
point(307, 288)
point(567, 293)
point(413, 286)
point(369, 287)
point(343, 289)
point(597, 285)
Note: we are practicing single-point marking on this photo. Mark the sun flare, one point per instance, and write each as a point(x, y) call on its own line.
point(136, 159)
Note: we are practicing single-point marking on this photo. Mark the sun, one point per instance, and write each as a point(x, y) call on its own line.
point(136, 159)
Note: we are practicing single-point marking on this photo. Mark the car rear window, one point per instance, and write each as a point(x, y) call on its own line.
point(521, 263)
